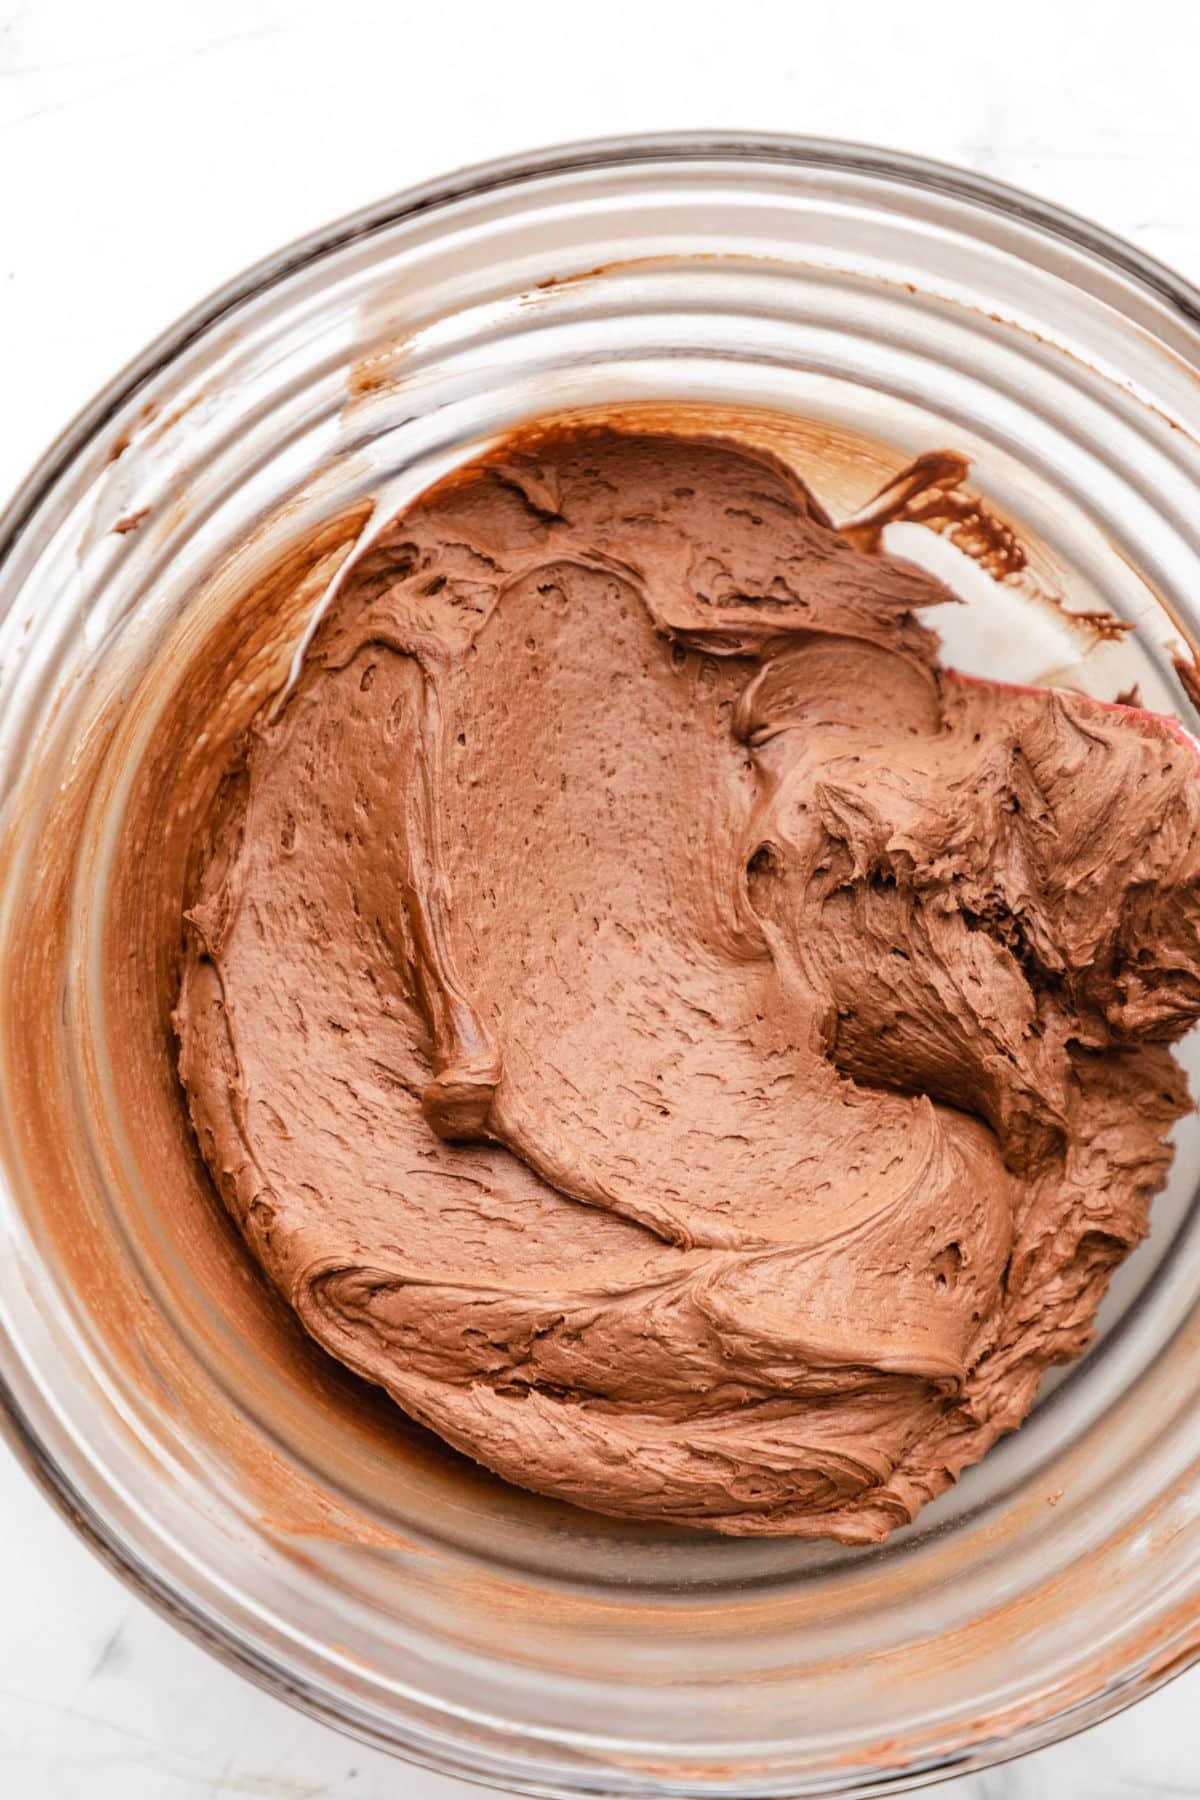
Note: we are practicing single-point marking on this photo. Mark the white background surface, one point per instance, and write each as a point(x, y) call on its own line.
point(147, 152)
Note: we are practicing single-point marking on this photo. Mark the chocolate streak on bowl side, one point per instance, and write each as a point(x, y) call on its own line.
point(699, 1056)
point(214, 684)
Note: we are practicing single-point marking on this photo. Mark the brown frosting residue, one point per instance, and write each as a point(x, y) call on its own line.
point(701, 1057)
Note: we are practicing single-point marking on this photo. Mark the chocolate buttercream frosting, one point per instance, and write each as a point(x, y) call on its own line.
point(703, 1058)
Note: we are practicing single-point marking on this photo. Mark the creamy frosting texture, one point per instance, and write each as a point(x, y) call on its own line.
point(701, 1057)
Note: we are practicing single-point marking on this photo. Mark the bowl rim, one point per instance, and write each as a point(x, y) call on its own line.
point(1038, 1729)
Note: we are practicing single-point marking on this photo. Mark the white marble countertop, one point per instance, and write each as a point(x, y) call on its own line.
point(149, 151)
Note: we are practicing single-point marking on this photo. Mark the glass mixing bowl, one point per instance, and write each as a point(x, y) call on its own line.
point(851, 308)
